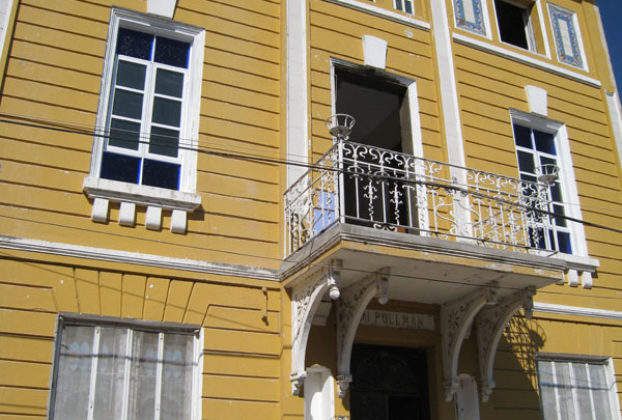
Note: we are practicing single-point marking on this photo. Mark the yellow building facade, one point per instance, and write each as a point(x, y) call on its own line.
point(309, 209)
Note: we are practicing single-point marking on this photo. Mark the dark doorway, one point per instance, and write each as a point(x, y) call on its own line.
point(389, 383)
point(374, 194)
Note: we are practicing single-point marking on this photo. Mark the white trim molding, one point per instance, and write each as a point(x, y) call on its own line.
point(524, 59)
point(297, 89)
point(137, 258)
point(164, 8)
point(361, 6)
point(550, 308)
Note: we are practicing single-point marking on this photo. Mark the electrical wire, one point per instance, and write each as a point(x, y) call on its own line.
point(279, 161)
point(60, 127)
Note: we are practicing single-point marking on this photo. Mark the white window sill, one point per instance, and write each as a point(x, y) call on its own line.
point(384, 13)
point(105, 191)
point(140, 195)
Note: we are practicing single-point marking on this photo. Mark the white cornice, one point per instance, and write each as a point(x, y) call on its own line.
point(577, 311)
point(383, 13)
point(524, 59)
point(137, 258)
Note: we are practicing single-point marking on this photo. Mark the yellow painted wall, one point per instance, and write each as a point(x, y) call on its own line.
point(241, 368)
point(53, 76)
point(336, 32)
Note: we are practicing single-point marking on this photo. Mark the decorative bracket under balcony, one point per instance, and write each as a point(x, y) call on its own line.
point(351, 306)
point(490, 323)
point(456, 319)
point(306, 299)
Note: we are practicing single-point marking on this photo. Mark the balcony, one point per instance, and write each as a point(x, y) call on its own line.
point(366, 222)
point(381, 189)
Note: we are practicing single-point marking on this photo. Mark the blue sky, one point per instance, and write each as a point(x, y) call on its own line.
point(611, 14)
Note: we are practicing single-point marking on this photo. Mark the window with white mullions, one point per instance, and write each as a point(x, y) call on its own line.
point(110, 371)
point(146, 105)
point(404, 6)
point(577, 389)
point(537, 153)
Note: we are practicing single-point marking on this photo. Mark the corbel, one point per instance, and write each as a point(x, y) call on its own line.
point(306, 298)
point(490, 324)
point(350, 308)
point(456, 319)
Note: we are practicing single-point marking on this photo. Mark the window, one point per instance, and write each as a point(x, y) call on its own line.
point(572, 388)
point(149, 108)
point(404, 6)
point(470, 16)
point(537, 154)
point(113, 369)
point(515, 27)
point(567, 37)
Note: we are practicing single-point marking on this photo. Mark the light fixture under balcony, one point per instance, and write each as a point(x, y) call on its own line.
point(340, 126)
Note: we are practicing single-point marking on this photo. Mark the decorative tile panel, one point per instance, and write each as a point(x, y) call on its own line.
point(566, 36)
point(470, 16)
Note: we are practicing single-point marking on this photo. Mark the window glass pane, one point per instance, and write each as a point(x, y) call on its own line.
point(398, 5)
point(600, 392)
point(74, 373)
point(564, 390)
point(169, 83)
point(131, 75)
point(563, 241)
point(110, 373)
point(545, 142)
point(161, 174)
point(134, 44)
point(143, 375)
point(522, 136)
point(124, 134)
point(560, 219)
point(409, 6)
point(166, 111)
point(547, 389)
point(120, 167)
point(169, 51)
point(164, 142)
point(525, 162)
point(127, 104)
point(581, 386)
point(177, 377)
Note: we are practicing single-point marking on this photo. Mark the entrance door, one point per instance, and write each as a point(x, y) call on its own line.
point(374, 194)
point(389, 383)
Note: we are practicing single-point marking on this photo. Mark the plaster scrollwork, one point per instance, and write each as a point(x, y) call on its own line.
point(456, 319)
point(490, 324)
point(306, 299)
point(350, 307)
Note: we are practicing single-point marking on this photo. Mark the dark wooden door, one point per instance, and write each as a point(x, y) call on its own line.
point(389, 383)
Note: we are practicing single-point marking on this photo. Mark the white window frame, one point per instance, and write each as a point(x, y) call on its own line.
point(403, 3)
point(185, 197)
point(161, 328)
point(485, 23)
point(529, 30)
point(579, 39)
point(567, 179)
point(573, 360)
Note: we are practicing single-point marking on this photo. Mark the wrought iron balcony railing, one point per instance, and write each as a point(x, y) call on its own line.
point(370, 186)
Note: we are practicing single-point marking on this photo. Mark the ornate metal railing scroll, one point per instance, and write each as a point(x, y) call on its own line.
point(370, 186)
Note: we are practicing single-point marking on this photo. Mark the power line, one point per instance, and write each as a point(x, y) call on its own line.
point(278, 161)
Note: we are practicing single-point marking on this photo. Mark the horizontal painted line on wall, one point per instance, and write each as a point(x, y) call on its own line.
point(577, 311)
point(529, 61)
point(136, 258)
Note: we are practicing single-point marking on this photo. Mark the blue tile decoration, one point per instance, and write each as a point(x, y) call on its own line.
point(469, 16)
point(566, 37)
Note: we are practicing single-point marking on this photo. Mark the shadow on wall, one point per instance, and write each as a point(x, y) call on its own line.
point(516, 394)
